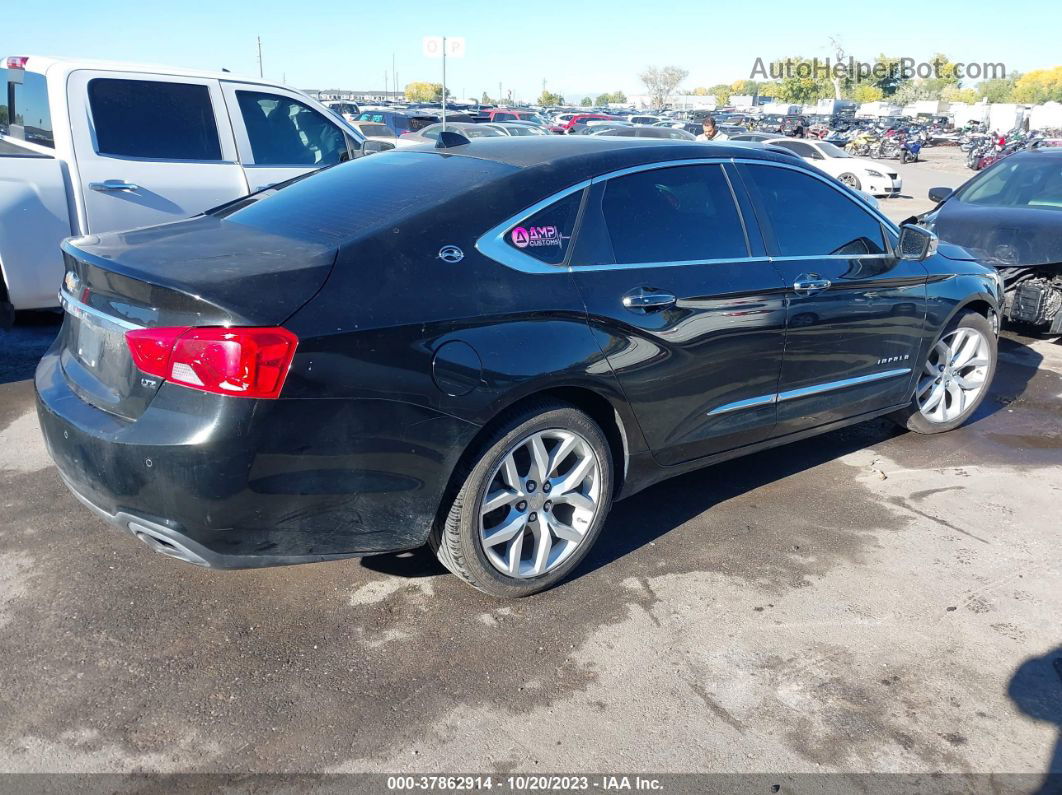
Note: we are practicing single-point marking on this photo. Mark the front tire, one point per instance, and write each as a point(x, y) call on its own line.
point(530, 504)
point(851, 180)
point(954, 378)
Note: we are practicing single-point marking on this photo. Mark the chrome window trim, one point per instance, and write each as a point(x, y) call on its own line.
point(807, 391)
point(492, 242)
point(77, 308)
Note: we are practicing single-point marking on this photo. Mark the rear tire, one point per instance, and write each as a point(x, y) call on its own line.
point(549, 471)
point(955, 377)
point(7, 309)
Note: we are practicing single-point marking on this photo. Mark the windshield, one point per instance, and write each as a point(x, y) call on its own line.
point(833, 151)
point(1034, 181)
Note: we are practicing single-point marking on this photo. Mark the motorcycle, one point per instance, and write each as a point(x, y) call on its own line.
point(909, 150)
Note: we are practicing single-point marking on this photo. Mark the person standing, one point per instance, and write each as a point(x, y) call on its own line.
point(711, 132)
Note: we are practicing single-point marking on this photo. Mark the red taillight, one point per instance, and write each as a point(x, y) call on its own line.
point(245, 362)
point(17, 61)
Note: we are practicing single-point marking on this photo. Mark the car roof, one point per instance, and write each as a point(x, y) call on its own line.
point(584, 156)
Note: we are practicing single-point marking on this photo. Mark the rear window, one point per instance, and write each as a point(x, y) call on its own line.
point(24, 107)
point(153, 119)
point(335, 204)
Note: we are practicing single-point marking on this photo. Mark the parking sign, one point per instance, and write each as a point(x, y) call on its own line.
point(433, 46)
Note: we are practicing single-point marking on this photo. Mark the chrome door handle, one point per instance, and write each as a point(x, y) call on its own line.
point(807, 283)
point(645, 299)
point(113, 185)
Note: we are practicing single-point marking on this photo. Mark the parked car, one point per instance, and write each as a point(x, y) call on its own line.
point(400, 122)
point(549, 325)
point(518, 128)
point(1009, 216)
point(94, 146)
point(508, 114)
point(871, 176)
point(430, 134)
point(374, 130)
point(345, 109)
point(757, 137)
point(646, 131)
point(582, 118)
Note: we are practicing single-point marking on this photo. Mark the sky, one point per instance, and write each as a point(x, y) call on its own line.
point(577, 48)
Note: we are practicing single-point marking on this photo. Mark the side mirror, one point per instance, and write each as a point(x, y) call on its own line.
point(916, 242)
point(940, 194)
point(371, 147)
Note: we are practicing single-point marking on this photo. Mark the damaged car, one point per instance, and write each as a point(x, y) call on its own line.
point(1010, 216)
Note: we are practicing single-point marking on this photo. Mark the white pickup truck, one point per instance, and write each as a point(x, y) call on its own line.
point(89, 147)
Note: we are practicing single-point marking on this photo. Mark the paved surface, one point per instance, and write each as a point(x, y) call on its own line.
point(937, 166)
point(867, 601)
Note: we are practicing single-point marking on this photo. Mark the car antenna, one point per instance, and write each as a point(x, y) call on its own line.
point(449, 138)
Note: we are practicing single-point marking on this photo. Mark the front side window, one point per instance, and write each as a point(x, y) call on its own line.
point(284, 132)
point(809, 218)
point(24, 103)
point(153, 119)
point(546, 234)
point(677, 214)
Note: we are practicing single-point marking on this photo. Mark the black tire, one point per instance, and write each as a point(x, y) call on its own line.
point(912, 418)
point(851, 180)
point(456, 537)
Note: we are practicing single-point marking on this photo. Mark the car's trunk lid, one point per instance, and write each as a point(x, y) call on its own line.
point(199, 272)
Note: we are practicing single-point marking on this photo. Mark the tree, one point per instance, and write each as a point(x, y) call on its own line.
point(425, 92)
point(661, 83)
point(614, 97)
point(887, 75)
point(747, 88)
point(999, 89)
point(866, 92)
point(485, 100)
point(587, 102)
point(549, 98)
point(721, 93)
point(800, 83)
point(956, 94)
point(1039, 85)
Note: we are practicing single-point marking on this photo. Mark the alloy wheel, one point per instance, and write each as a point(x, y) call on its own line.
point(954, 375)
point(540, 503)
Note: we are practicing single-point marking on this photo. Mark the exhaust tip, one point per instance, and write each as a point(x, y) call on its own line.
point(166, 546)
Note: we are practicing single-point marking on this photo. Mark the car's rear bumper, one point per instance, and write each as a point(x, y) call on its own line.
point(234, 483)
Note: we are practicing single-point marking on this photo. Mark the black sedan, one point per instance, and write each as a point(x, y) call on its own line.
point(1010, 216)
point(480, 346)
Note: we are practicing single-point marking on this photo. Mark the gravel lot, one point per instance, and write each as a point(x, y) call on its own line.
point(866, 601)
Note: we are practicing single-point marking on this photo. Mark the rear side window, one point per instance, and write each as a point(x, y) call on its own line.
point(284, 132)
point(153, 119)
point(809, 218)
point(546, 234)
point(24, 106)
point(679, 214)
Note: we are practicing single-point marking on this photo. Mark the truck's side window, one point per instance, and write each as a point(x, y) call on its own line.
point(24, 106)
point(153, 119)
point(284, 132)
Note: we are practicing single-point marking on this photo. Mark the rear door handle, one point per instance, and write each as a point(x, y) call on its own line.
point(648, 299)
point(807, 283)
point(109, 185)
